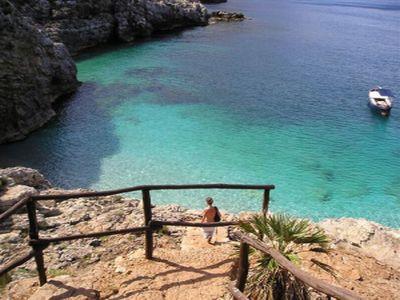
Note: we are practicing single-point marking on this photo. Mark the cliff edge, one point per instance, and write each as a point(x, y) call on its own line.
point(37, 37)
point(86, 24)
point(34, 72)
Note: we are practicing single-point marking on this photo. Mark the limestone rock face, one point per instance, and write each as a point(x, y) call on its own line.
point(26, 176)
point(36, 37)
point(370, 238)
point(34, 72)
point(82, 24)
point(142, 17)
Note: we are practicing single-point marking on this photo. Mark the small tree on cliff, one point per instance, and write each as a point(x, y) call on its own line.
point(267, 280)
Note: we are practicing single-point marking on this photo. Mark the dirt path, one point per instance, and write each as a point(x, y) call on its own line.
point(197, 271)
point(192, 270)
point(187, 267)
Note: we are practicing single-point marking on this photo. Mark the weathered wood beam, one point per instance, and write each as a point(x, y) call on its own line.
point(34, 235)
point(147, 220)
point(44, 241)
point(13, 209)
point(17, 262)
point(236, 293)
point(243, 269)
point(317, 284)
point(153, 187)
point(265, 202)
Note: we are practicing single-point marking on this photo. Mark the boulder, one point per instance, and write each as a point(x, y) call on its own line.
point(26, 176)
point(15, 194)
point(34, 73)
point(368, 237)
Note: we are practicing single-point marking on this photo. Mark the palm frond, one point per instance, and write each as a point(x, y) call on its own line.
point(290, 236)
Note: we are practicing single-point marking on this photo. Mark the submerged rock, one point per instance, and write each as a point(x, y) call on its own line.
point(34, 73)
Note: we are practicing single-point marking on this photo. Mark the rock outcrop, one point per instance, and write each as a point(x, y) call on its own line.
point(82, 24)
point(34, 73)
point(37, 37)
point(367, 237)
point(26, 176)
point(223, 16)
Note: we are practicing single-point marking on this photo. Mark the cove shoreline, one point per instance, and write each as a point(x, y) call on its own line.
point(40, 40)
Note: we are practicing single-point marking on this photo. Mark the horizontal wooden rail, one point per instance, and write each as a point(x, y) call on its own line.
point(16, 263)
point(317, 284)
point(39, 244)
point(13, 209)
point(192, 224)
point(153, 188)
point(236, 293)
point(45, 241)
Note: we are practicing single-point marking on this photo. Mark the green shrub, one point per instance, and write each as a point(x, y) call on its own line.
point(290, 236)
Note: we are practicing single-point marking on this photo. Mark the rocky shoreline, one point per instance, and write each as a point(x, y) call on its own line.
point(360, 237)
point(80, 25)
point(35, 71)
point(38, 38)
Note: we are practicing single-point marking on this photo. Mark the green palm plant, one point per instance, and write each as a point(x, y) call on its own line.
point(267, 280)
point(3, 182)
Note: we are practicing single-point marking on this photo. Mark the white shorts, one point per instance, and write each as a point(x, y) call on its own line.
point(208, 232)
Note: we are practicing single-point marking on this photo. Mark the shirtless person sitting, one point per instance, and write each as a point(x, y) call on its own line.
point(210, 214)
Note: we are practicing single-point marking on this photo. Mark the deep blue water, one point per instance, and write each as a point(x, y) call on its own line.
point(280, 98)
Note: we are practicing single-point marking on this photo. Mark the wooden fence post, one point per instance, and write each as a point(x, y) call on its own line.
point(34, 235)
point(147, 220)
point(265, 202)
point(243, 266)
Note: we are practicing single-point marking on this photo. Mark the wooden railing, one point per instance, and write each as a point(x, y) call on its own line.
point(39, 244)
point(243, 270)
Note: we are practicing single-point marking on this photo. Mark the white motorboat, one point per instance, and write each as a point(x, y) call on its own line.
point(381, 100)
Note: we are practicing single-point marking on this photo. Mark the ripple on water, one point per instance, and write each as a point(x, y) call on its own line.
point(280, 99)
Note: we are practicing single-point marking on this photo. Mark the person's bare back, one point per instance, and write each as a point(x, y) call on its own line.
point(209, 214)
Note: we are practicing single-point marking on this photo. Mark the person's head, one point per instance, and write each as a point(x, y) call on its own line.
point(209, 201)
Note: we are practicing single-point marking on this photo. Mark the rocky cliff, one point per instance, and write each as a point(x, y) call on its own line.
point(34, 72)
point(83, 24)
point(37, 37)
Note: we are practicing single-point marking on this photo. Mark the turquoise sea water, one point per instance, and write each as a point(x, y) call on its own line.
point(279, 99)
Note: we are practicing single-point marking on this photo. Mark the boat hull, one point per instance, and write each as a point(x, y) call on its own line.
point(379, 110)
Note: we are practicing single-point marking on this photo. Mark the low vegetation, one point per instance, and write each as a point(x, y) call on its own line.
point(291, 236)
